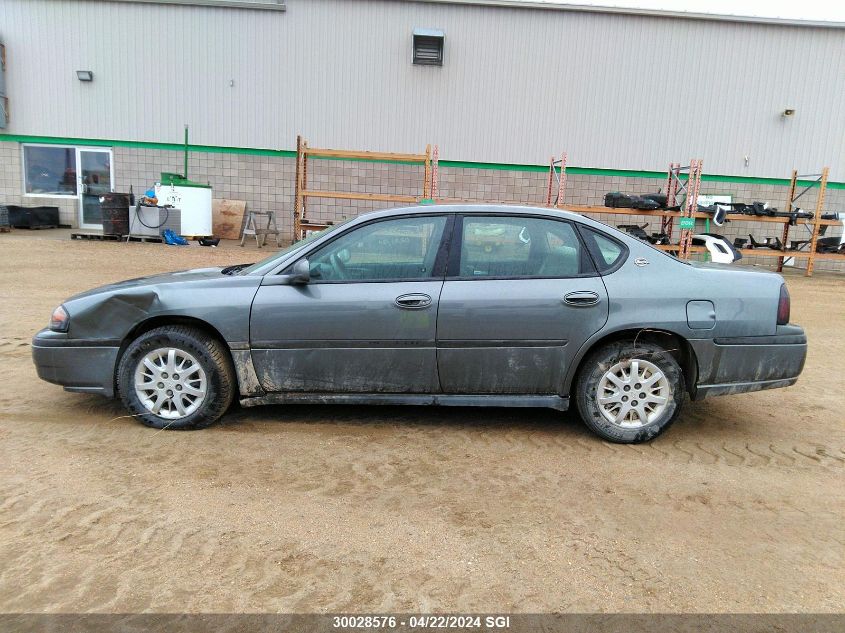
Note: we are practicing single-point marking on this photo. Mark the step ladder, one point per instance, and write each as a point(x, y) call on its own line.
point(261, 224)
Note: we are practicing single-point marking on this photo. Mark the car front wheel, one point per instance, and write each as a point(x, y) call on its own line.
point(176, 377)
point(630, 392)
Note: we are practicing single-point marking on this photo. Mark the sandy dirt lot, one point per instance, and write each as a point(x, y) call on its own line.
point(739, 507)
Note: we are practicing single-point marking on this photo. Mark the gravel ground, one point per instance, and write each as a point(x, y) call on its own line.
point(738, 508)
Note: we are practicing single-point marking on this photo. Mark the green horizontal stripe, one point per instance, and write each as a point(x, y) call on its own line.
point(592, 171)
point(286, 153)
point(175, 147)
point(634, 173)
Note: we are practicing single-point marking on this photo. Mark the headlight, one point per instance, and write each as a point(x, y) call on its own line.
point(59, 320)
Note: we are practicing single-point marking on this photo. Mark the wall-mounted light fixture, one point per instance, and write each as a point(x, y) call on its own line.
point(84, 75)
point(788, 112)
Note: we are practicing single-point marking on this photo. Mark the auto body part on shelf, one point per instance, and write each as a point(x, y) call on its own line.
point(619, 200)
point(720, 249)
point(638, 231)
point(773, 243)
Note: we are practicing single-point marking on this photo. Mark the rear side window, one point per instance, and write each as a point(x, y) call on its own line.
point(516, 247)
point(607, 253)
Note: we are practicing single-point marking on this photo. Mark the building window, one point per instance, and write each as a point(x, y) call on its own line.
point(49, 170)
point(428, 47)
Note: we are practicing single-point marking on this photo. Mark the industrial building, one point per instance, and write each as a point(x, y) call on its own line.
point(97, 93)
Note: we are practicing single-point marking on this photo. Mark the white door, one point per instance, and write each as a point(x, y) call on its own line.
point(95, 176)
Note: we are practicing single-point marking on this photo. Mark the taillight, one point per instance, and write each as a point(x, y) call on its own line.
point(783, 306)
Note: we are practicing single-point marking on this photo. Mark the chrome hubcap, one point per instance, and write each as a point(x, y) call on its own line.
point(633, 393)
point(170, 383)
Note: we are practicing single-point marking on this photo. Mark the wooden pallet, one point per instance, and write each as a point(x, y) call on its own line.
point(152, 239)
point(5, 229)
point(100, 237)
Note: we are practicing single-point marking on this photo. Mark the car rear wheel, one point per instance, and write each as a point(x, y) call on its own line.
point(630, 392)
point(176, 377)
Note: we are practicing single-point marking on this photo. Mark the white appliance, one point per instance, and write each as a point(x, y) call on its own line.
point(194, 201)
point(152, 221)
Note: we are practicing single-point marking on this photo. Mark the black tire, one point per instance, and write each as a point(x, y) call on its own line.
point(211, 355)
point(599, 362)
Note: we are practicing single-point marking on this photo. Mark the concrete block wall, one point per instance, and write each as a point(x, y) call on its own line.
point(264, 182)
point(267, 183)
point(357, 177)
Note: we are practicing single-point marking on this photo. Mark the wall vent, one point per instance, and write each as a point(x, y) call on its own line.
point(428, 47)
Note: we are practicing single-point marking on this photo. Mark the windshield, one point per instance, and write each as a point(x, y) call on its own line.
point(290, 249)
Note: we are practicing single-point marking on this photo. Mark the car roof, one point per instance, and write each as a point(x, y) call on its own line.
point(478, 209)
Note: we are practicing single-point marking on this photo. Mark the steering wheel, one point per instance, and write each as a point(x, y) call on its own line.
point(338, 266)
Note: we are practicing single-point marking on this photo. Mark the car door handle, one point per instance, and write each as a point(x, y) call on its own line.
point(581, 298)
point(413, 301)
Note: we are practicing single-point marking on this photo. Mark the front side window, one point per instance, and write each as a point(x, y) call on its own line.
point(49, 170)
point(500, 247)
point(401, 249)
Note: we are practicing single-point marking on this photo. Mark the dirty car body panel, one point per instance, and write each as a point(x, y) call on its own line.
point(334, 337)
point(451, 330)
point(102, 321)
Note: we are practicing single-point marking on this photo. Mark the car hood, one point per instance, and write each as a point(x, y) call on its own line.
point(195, 274)
point(204, 294)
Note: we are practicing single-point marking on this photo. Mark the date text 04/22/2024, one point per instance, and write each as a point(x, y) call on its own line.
point(421, 621)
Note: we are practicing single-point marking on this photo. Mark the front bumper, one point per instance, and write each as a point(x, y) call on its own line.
point(749, 363)
point(85, 366)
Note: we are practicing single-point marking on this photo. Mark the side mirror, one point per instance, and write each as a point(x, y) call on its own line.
point(300, 273)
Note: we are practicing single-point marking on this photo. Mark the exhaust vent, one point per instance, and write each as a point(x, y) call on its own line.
point(428, 47)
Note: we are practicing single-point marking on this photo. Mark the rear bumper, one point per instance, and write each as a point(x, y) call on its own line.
point(750, 363)
point(77, 365)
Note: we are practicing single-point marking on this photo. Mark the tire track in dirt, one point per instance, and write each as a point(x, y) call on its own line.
point(730, 453)
point(718, 503)
point(737, 452)
point(562, 440)
point(15, 347)
point(112, 533)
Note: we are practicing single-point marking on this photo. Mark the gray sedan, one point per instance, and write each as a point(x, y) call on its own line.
point(434, 305)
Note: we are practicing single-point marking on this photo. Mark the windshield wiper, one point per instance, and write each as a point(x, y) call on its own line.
point(235, 268)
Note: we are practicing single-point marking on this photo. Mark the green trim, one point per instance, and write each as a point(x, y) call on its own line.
point(633, 173)
point(176, 147)
point(592, 171)
point(286, 153)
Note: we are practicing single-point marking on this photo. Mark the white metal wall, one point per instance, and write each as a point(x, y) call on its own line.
point(615, 91)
